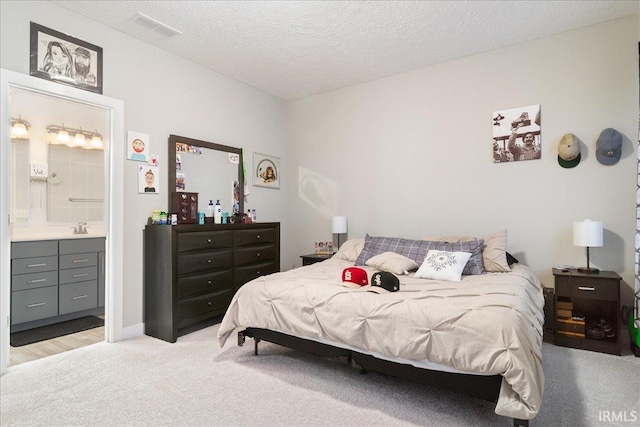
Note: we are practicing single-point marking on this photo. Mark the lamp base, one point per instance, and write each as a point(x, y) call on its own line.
point(588, 270)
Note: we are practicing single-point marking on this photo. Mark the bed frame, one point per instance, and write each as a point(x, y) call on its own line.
point(479, 386)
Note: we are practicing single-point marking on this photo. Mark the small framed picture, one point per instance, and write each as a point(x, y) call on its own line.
point(266, 171)
point(148, 177)
point(64, 59)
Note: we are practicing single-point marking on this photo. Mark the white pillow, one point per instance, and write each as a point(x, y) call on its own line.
point(350, 250)
point(443, 265)
point(392, 262)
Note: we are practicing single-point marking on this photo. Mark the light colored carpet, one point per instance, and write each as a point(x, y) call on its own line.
point(148, 382)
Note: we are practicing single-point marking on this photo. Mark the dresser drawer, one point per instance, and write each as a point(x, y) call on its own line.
point(78, 296)
point(204, 283)
point(204, 240)
point(255, 236)
point(244, 274)
point(78, 275)
point(23, 282)
point(254, 254)
point(40, 248)
point(204, 261)
point(203, 306)
point(78, 260)
point(34, 265)
point(34, 304)
point(575, 287)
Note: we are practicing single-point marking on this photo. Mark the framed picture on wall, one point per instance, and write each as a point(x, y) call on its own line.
point(64, 59)
point(266, 171)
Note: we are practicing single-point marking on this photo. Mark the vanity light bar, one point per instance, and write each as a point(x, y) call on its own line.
point(63, 136)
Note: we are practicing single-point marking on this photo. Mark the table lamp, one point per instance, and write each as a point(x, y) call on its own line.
point(589, 234)
point(339, 227)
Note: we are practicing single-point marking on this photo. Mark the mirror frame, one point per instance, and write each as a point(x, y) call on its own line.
point(174, 139)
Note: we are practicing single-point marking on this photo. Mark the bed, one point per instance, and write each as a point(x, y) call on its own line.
point(481, 335)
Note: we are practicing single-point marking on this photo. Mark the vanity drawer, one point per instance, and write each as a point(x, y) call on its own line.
point(78, 260)
point(78, 275)
point(256, 236)
point(577, 287)
point(250, 272)
point(34, 265)
point(204, 240)
point(204, 283)
point(255, 254)
point(78, 296)
point(34, 304)
point(190, 310)
point(40, 248)
point(76, 246)
point(23, 282)
point(204, 261)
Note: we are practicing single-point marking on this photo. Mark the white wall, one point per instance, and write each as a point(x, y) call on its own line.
point(163, 94)
point(411, 155)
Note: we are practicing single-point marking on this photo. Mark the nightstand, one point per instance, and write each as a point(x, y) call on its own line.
point(313, 258)
point(583, 300)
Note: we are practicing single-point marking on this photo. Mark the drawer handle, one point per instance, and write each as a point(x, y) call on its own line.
point(80, 296)
point(37, 280)
point(208, 240)
point(38, 304)
point(586, 288)
point(80, 260)
point(80, 275)
point(258, 236)
point(258, 254)
point(209, 261)
point(258, 272)
point(44, 264)
point(209, 282)
point(210, 303)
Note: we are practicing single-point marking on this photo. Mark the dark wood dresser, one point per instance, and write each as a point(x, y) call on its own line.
point(191, 272)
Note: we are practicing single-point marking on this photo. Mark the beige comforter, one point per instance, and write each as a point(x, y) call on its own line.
point(486, 324)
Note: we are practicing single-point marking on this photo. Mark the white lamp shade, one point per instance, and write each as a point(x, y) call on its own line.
point(588, 233)
point(339, 224)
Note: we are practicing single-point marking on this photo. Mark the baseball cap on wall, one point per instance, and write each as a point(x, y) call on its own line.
point(609, 147)
point(354, 277)
point(383, 282)
point(569, 151)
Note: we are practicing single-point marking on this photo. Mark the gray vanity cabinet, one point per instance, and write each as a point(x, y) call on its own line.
point(56, 280)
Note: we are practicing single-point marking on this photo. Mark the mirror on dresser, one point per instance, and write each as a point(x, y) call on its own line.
point(214, 171)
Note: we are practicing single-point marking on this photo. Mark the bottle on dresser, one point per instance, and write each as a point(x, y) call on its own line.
point(217, 216)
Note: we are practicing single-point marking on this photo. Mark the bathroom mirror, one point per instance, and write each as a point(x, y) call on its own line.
point(69, 184)
point(211, 170)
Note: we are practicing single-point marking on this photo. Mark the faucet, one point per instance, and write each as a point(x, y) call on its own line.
point(81, 228)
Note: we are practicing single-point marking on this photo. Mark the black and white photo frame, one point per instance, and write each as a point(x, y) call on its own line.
point(64, 59)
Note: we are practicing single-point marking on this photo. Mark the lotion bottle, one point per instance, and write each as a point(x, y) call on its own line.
point(210, 209)
point(218, 213)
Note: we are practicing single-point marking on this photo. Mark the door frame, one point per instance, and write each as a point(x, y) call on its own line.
point(114, 302)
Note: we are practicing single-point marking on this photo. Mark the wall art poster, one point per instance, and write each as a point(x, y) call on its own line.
point(266, 171)
point(148, 178)
point(137, 146)
point(516, 134)
point(64, 59)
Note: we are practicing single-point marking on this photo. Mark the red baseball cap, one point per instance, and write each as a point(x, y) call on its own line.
point(354, 277)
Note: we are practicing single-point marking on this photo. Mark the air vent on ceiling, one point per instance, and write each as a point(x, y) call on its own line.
point(155, 26)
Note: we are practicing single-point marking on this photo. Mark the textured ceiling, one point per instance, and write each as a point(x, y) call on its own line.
point(293, 49)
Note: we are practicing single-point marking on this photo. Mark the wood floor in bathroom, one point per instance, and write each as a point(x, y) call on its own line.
point(28, 353)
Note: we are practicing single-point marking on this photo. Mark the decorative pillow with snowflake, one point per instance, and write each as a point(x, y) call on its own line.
point(443, 265)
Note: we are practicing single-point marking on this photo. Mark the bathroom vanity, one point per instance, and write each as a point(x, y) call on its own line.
point(56, 280)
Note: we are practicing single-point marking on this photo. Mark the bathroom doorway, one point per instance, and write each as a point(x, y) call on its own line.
point(51, 218)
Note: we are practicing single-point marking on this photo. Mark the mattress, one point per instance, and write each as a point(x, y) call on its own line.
point(488, 324)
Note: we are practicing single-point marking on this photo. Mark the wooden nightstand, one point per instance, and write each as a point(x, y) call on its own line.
point(595, 297)
point(313, 258)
